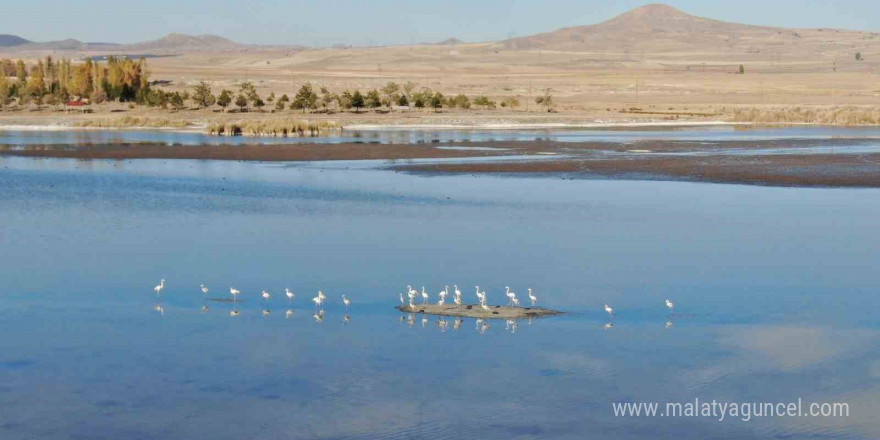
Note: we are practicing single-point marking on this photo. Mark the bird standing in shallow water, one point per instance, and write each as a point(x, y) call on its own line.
point(532, 297)
point(204, 289)
point(669, 304)
point(158, 288)
point(424, 296)
point(266, 296)
point(290, 295)
point(610, 311)
point(234, 292)
point(318, 300)
point(347, 302)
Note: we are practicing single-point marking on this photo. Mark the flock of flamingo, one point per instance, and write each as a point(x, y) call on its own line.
point(412, 294)
point(317, 300)
point(456, 298)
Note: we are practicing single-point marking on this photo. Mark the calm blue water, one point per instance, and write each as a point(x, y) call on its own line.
point(775, 291)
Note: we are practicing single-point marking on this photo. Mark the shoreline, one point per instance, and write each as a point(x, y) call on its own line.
point(775, 163)
point(200, 128)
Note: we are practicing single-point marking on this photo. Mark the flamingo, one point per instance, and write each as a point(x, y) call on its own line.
point(318, 301)
point(455, 288)
point(266, 296)
point(159, 287)
point(234, 292)
point(204, 289)
point(412, 305)
point(424, 296)
point(532, 297)
point(288, 313)
point(484, 306)
point(510, 295)
point(321, 295)
point(402, 302)
point(442, 296)
point(347, 302)
point(290, 295)
point(457, 300)
point(670, 305)
point(515, 302)
point(609, 310)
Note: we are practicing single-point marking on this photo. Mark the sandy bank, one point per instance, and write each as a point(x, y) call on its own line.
point(475, 311)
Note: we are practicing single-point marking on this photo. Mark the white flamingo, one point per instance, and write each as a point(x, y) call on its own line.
point(204, 289)
point(347, 302)
point(609, 310)
point(515, 302)
point(670, 305)
point(159, 287)
point(455, 288)
point(457, 300)
point(532, 297)
point(424, 296)
point(318, 301)
point(266, 296)
point(510, 295)
point(290, 295)
point(322, 296)
point(234, 292)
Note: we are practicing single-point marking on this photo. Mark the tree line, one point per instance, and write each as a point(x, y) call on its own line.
point(310, 98)
point(50, 81)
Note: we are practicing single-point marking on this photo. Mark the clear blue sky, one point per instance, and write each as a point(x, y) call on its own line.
point(368, 22)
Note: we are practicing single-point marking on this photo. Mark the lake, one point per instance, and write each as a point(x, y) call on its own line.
point(775, 293)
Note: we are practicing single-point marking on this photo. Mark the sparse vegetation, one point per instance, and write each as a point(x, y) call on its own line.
point(133, 122)
point(273, 127)
point(833, 115)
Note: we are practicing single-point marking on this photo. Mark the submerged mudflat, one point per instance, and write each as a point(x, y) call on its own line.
point(475, 311)
point(827, 161)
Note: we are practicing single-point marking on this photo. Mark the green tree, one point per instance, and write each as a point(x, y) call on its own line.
point(327, 98)
point(373, 100)
point(258, 103)
point(248, 90)
point(271, 98)
point(461, 101)
point(224, 99)
point(344, 100)
point(402, 101)
point(436, 101)
point(305, 99)
point(742, 69)
point(484, 101)
point(202, 95)
point(357, 101)
point(177, 101)
point(241, 101)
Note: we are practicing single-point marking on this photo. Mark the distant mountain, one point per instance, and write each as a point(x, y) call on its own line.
point(662, 28)
point(69, 44)
point(449, 42)
point(187, 43)
point(11, 40)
